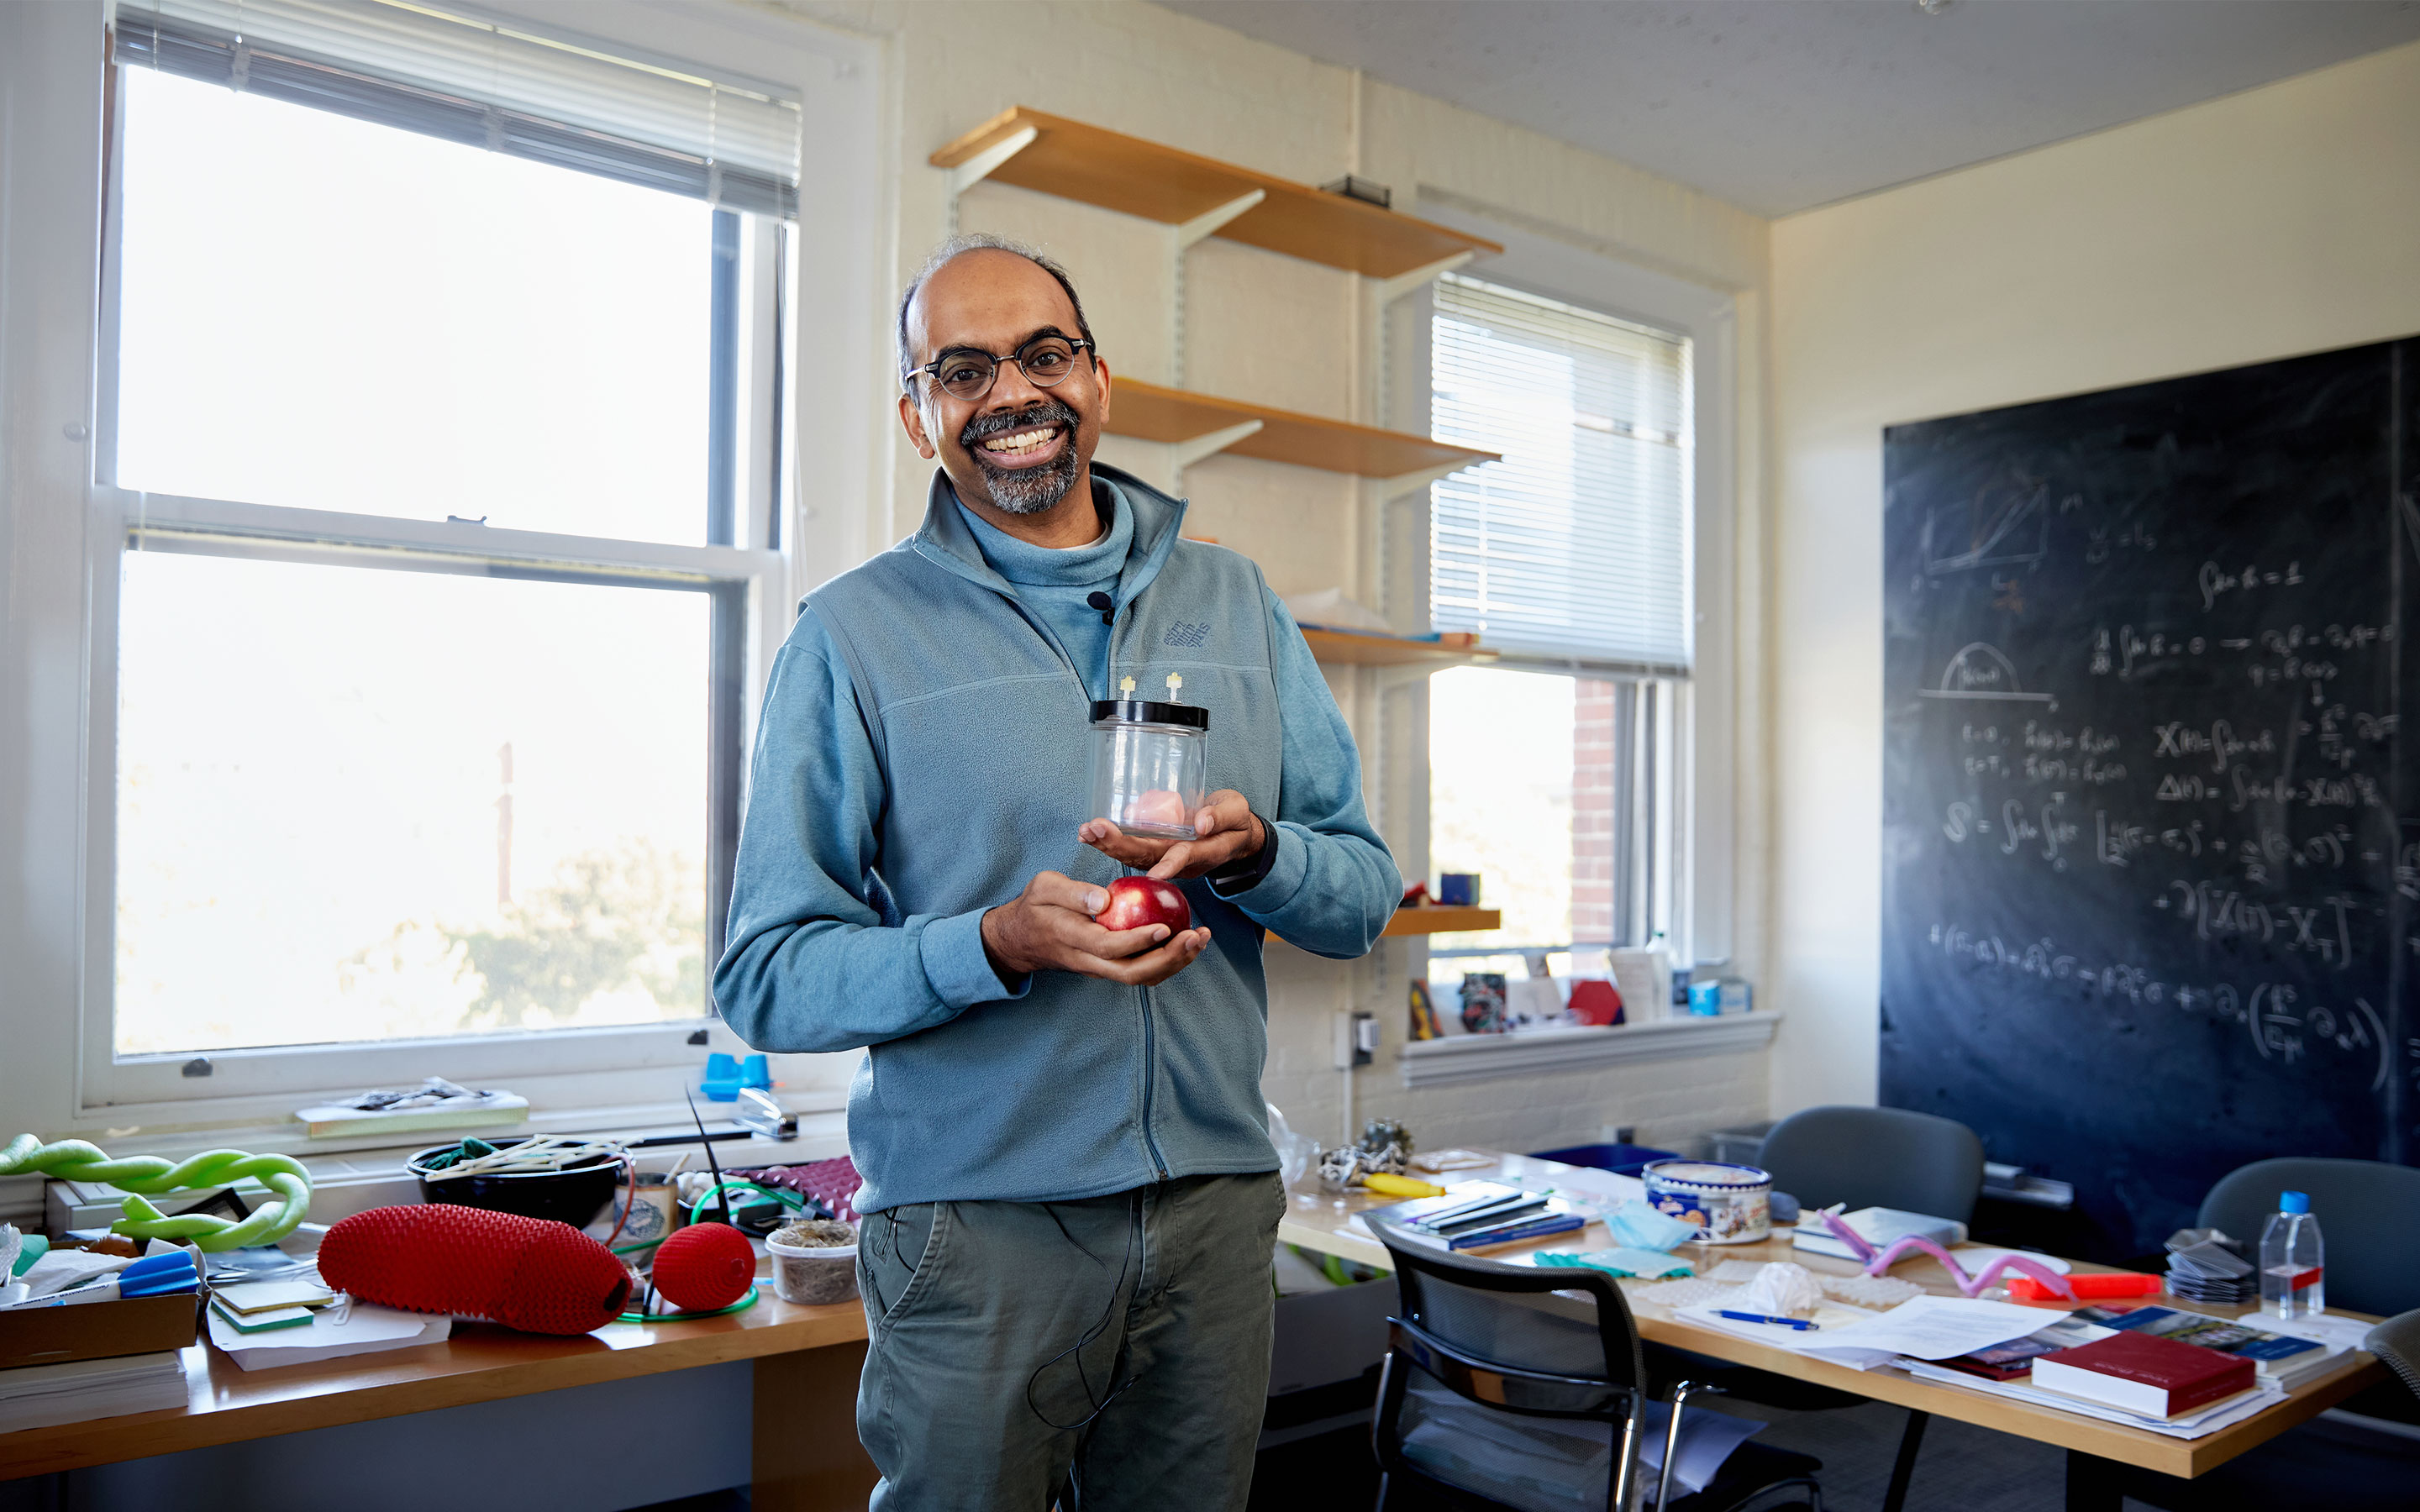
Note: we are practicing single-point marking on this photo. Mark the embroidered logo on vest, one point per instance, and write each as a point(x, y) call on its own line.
point(1184, 634)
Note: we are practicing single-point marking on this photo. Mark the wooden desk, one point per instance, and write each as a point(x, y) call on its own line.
point(1319, 1222)
point(806, 1453)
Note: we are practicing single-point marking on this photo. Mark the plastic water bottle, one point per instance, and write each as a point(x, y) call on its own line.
point(2292, 1260)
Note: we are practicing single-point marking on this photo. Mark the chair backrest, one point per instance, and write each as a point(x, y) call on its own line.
point(2369, 1213)
point(1876, 1158)
point(2396, 1342)
point(1464, 1324)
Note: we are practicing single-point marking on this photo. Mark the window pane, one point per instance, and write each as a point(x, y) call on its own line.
point(1501, 748)
point(361, 804)
point(322, 312)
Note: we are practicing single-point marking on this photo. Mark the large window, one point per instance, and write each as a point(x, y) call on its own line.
point(439, 413)
point(1553, 774)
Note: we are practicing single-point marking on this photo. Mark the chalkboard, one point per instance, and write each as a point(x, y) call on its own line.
point(2151, 828)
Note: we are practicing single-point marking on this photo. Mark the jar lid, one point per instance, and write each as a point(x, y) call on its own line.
point(1132, 711)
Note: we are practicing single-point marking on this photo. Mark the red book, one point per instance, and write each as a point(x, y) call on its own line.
point(2144, 1373)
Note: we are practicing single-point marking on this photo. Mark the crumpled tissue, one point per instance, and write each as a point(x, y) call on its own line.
point(1781, 1290)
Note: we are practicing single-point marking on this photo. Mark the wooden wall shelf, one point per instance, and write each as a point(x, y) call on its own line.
point(1436, 918)
point(1343, 646)
point(1158, 183)
point(1150, 412)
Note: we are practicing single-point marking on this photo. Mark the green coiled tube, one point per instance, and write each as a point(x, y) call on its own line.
point(142, 1176)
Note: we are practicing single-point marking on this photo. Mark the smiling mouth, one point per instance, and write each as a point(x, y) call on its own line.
point(1023, 447)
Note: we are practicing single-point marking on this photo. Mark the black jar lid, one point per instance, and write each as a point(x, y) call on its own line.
point(1131, 711)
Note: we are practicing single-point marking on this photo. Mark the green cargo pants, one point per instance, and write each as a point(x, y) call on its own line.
point(1117, 1345)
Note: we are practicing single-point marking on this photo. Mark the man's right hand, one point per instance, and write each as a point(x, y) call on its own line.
point(1049, 927)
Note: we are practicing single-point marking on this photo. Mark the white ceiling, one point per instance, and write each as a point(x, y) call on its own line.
point(1779, 105)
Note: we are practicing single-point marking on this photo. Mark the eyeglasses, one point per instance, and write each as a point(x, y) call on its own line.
point(966, 372)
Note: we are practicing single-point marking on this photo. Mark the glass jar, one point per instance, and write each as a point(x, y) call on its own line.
point(1149, 762)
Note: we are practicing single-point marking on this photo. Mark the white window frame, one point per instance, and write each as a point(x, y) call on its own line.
point(1704, 724)
point(62, 525)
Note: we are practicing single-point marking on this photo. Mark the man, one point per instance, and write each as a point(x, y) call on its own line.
point(1070, 1195)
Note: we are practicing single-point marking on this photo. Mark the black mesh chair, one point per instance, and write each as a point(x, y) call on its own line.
point(1859, 1157)
point(1491, 1401)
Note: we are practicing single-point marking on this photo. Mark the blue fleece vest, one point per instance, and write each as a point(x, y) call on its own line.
point(982, 728)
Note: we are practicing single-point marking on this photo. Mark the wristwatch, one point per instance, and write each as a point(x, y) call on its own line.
point(1244, 873)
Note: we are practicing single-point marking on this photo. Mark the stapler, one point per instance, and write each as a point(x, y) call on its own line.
point(760, 1110)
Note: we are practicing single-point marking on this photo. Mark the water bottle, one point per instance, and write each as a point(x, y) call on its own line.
point(2292, 1260)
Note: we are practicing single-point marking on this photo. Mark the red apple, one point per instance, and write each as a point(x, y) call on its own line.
point(1138, 902)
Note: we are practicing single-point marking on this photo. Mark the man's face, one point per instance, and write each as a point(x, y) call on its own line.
point(1019, 448)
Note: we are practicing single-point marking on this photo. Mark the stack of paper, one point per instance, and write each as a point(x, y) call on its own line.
point(359, 1328)
point(45, 1395)
point(2191, 1425)
point(1924, 1328)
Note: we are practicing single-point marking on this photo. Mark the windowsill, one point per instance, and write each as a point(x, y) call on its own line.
point(1481, 1056)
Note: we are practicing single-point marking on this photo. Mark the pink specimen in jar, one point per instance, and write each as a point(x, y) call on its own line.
point(1159, 807)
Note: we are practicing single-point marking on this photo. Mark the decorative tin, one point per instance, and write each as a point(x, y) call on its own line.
point(1730, 1204)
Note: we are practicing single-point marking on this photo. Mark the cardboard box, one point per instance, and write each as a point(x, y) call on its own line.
point(99, 1330)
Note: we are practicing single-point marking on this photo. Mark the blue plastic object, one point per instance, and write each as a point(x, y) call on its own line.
point(725, 1076)
point(1622, 1160)
point(158, 1275)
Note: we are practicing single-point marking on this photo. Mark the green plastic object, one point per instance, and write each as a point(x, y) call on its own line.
point(467, 1149)
point(142, 1176)
point(31, 1247)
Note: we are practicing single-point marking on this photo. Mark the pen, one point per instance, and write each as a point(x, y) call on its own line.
point(1799, 1323)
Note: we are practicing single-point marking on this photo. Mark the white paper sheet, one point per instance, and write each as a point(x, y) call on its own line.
point(2327, 1329)
point(367, 1329)
point(1830, 1320)
point(1921, 1326)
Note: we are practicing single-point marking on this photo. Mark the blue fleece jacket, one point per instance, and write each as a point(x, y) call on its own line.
point(923, 752)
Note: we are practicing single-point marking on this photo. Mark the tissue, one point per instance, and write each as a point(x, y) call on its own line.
point(1781, 1290)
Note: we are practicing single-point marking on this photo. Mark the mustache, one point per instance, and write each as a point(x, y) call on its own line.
point(1050, 411)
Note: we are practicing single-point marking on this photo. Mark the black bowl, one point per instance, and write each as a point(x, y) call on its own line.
point(573, 1196)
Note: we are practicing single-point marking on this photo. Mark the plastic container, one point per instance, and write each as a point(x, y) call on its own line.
point(2293, 1260)
point(574, 1195)
point(1622, 1160)
point(813, 1273)
point(1730, 1204)
point(1150, 762)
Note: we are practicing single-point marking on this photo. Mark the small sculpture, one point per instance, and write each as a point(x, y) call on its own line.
point(150, 1176)
point(1877, 1263)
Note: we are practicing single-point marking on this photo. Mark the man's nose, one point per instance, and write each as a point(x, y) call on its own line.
point(1012, 390)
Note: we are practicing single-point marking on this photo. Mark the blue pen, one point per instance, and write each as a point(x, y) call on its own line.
point(1799, 1323)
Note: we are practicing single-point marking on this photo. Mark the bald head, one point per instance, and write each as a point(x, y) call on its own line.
point(967, 246)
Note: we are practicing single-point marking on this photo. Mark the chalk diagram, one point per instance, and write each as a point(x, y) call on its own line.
point(1982, 670)
point(2002, 526)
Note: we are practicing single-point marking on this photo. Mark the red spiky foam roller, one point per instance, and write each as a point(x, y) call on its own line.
point(704, 1266)
point(530, 1274)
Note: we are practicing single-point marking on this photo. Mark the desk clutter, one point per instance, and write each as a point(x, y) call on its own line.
point(548, 1235)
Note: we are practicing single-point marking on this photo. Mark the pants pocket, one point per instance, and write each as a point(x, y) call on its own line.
point(898, 1252)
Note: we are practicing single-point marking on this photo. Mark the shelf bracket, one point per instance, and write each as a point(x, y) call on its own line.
point(1392, 290)
point(1208, 222)
point(1395, 487)
point(1184, 453)
point(985, 163)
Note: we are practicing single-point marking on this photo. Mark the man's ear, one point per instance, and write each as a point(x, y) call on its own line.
point(1101, 379)
point(911, 420)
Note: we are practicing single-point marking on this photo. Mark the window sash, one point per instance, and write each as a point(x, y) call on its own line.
point(1576, 549)
point(733, 143)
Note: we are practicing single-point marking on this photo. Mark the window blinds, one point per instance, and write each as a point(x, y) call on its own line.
point(1575, 546)
point(731, 141)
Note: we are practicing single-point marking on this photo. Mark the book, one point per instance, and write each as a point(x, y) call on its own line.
point(2014, 1360)
point(1881, 1227)
point(2144, 1373)
point(494, 1110)
point(2275, 1356)
point(47, 1395)
point(1479, 1216)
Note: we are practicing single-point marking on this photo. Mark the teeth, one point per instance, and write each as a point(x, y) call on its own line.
point(1022, 443)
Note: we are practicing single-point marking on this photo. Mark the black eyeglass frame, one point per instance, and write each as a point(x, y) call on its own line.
point(1076, 346)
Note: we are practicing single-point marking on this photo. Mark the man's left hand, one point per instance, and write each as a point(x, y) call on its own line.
point(1225, 831)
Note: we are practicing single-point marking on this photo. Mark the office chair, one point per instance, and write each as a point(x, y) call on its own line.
point(1488, 1401)
point(1861, 1158)
point(2369, 1213)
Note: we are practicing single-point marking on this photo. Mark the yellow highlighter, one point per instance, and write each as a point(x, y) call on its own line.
point(1399, 1186)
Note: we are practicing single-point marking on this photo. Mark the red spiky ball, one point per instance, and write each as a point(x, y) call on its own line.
point(531, 1273)
point(704, 1266)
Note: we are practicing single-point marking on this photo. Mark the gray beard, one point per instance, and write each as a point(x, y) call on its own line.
point(1025, 490)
